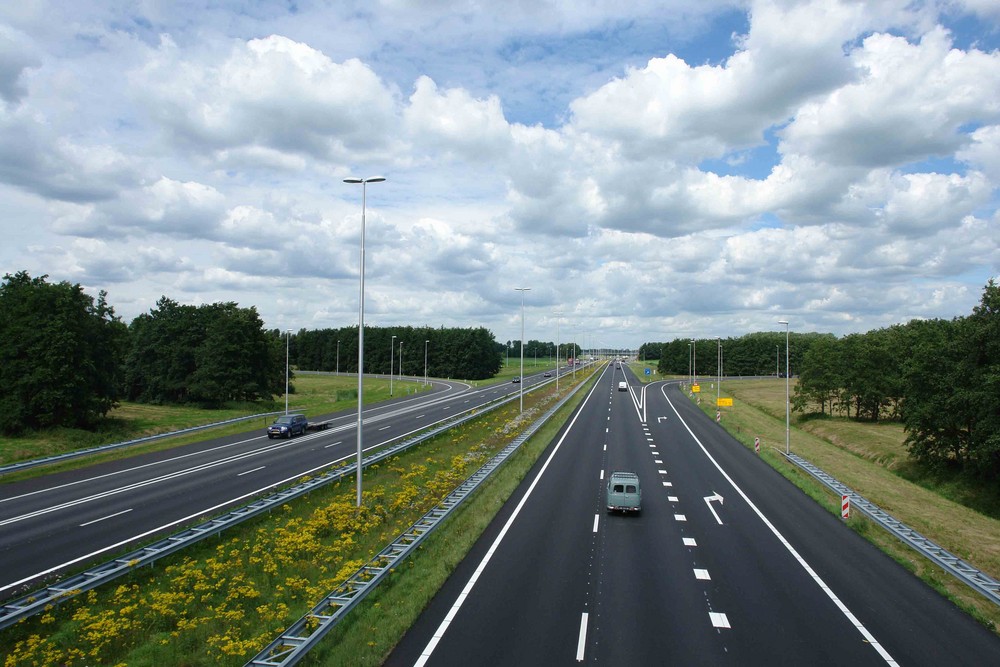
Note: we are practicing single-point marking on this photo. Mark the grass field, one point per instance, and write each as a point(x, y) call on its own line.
point(314, 395)
point(872, 460)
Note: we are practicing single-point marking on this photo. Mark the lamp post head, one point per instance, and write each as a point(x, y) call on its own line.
point(371, 179)
point(785, 322)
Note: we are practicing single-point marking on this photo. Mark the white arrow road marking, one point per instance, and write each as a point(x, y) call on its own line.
point(708, 501)
point(660, 419)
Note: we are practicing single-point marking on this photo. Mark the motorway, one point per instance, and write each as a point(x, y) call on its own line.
point(55, 523)
point(728, 562)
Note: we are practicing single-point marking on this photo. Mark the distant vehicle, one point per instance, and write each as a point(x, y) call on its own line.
point(624, 492)
point(516, 380)
point(548, 374)
point(623, 386)
point(286, 426)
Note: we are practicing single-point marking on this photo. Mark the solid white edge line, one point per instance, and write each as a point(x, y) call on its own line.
point(781, 538)
point(581, 643)
point(431, 645)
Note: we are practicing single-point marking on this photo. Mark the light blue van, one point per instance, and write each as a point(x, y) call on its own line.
point(624, 492)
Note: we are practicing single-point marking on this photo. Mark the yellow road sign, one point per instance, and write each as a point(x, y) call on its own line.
point(724, 402)
point(696, 388)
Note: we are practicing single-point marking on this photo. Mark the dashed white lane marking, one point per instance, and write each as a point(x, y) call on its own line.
point(597, 518)
point(655, 453)
point(848, 614)
point(690, 542)
point(110, 516)
point(671, 499)
point(680, 517)
point(719, 620)
point(335, 444)
point(659, 461)
point(602, 474)
point(247, 472)
point(668, 484)
point(662, 471)
point(702, 574)
point(581, 643)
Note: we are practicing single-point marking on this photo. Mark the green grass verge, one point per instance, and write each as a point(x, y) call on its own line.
point(315, 395)
point(374, 628)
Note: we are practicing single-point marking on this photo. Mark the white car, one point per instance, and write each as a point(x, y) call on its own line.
point(623, 386)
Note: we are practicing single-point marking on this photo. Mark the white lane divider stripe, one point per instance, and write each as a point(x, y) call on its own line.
point(110, 516)
point(597, 519)
point(702, 575)
point(247, 472)
point(718, 620)
point(429, 649)
point(581, 643)
point(869, 637)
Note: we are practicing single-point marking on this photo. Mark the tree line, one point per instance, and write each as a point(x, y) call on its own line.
point(940, 378)
point(66, 359)
point(469, 353)
point(534, 349)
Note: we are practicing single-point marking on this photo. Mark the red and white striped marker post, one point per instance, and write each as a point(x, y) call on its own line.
point(845, 506)
point(756, 445)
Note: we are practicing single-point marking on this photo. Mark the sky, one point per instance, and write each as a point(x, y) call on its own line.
point(649, 170)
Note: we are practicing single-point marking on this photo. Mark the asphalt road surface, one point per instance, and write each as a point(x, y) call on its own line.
point(728, 563)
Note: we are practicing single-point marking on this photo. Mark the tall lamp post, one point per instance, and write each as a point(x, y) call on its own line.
point(400, 361)
point(787, 409)
point(558, 318)
point(338, 357)
point(694, 360)
point(425, 362)
point(361, 312)
point(288, 334)
point(718, 370)
point(520, 383)
point(392, 350)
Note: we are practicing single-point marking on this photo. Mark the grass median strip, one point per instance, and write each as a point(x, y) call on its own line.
point(221, 602)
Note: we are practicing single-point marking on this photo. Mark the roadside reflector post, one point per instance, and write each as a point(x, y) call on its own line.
point(756, 445)
point(718, 416)
point(845, 506)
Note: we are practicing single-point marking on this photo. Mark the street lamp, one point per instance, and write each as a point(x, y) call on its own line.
point(520, 384)
point(694, 360)
point(787, 410)
point(718, 370)
point(288, 334)
point(392, 349)
point(400, 360)
point(558, 320)
point(425, 362)
point(361, 311)
point(338, 357)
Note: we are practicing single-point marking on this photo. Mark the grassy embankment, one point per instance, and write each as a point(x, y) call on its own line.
point(221, 600)
point(314, 395)
point(873, 461)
